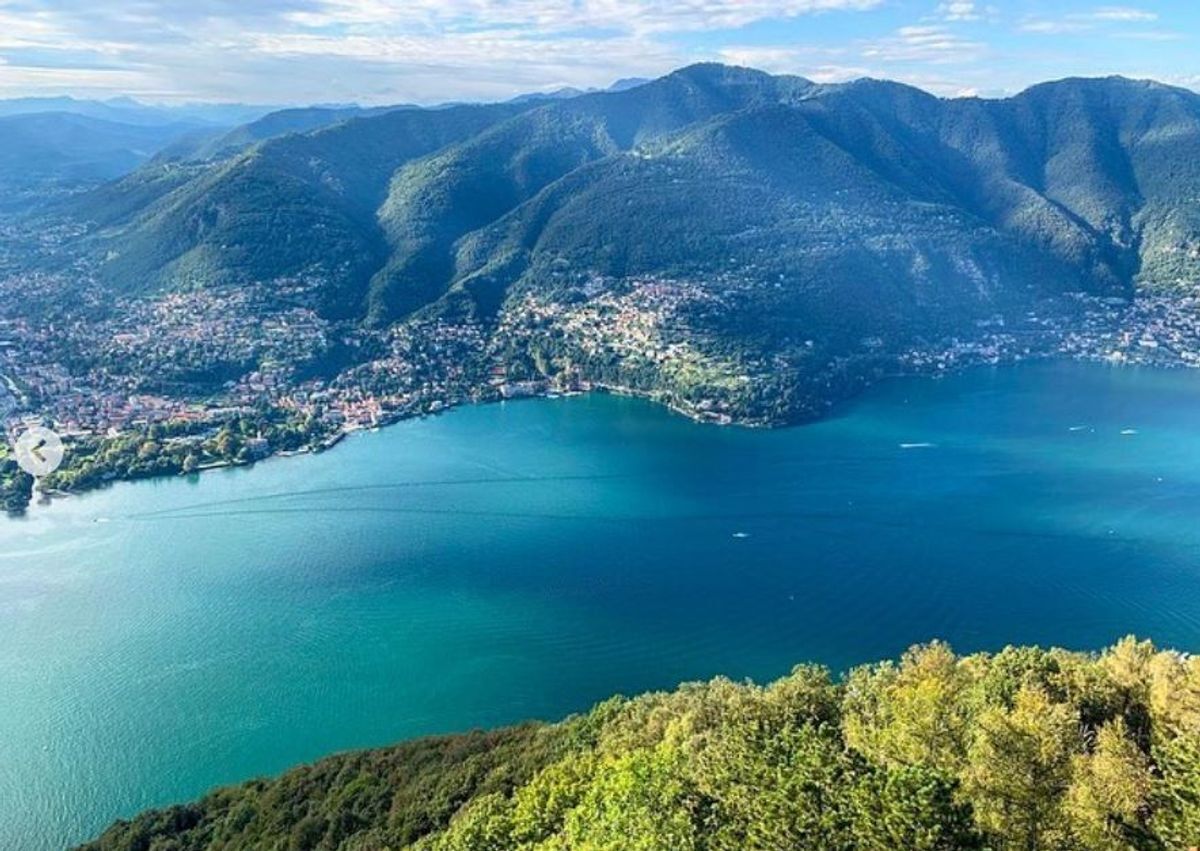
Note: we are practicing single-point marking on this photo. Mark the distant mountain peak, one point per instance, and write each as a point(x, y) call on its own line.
point(718, 72)
point(1109, 83)
point(626, 83)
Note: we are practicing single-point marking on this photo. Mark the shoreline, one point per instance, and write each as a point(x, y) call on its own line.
point(49, 496)
point(830, 406)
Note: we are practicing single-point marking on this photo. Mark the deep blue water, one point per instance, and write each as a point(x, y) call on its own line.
point(527, 559)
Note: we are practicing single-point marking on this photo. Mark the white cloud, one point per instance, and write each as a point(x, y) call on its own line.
point(26, 29)
point(839, 73)
point(1046, 26)
point(100, 82)
point(1083, 22)
point(928, 44)
point(821, 66)
point(553, 16)
point(778, 60)
point(958, 10)
point(1151, 35)
point(1123, 13)
point(368, 50)
point(379, 51)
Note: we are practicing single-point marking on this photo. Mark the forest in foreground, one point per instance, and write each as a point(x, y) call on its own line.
point(1022, 749)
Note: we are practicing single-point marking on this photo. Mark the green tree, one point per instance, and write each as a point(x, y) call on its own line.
point(914, 714)
point(1019, 770)
point(640, 801)
point(776, 786)
point(1110, 790)
point(1176, 793)
point(913, 808)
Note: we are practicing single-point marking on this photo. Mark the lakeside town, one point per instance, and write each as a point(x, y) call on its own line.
point(212, 377)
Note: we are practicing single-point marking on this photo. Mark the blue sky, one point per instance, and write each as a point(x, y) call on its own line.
point(390, 51)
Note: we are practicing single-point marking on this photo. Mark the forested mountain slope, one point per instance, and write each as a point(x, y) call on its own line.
point(299, 204)
point(742, 246)
point(1026, 748)
point(868, 196)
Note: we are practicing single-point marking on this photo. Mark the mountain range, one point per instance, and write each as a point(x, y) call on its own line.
point(795, 226)
point(62, 143)
point(867, 193)
point(126, 110)
point(47, 148)
point(65, 142)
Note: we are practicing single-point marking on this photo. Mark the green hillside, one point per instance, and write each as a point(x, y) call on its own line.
point(300, 204)
point(904, 200)
point(1022, 749)
point(437, 201)
point(1071, 185)
point(741, 246)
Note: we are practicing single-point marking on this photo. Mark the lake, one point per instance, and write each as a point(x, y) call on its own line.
point(527, 559)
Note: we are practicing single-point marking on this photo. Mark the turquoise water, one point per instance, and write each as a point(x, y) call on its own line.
point(527, 559)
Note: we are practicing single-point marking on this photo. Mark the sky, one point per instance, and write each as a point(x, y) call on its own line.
point(429, 51)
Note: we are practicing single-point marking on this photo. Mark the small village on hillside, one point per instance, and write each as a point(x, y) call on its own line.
point(212, 377)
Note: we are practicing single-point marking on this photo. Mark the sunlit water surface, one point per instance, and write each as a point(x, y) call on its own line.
point(527, 559)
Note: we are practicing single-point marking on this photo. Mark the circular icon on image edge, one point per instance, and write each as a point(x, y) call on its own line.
point(39, 451)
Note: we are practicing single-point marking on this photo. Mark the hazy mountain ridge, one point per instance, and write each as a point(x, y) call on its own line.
point(53, 144)
point(125, 110)
point(204, 146)
point(48, 150)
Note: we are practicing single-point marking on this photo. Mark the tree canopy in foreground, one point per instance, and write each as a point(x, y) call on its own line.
point(1025, 749)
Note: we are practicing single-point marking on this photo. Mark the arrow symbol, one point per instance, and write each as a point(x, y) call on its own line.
point(39, 452)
